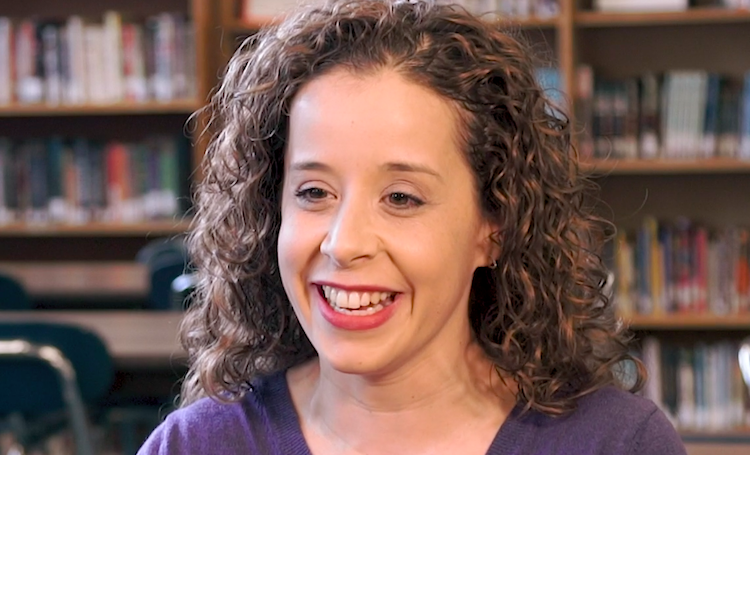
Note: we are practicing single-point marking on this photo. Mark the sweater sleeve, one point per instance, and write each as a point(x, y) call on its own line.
point(158, 441)
point(657, 436)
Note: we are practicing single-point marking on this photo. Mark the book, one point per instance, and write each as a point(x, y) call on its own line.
point(6, 61)
point(744, 133)
point(640, 5)
point(585, 110)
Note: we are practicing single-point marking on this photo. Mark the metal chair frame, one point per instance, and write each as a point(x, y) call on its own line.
point(55, 359)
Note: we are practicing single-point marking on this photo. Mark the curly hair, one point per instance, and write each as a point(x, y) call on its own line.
point(542, 316)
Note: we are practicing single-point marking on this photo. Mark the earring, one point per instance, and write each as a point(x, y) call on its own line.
point(493, 264)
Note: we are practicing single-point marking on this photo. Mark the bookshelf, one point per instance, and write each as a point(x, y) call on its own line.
point(700, 15)
point(172, 44)
point(112, 109)
point(98, 229)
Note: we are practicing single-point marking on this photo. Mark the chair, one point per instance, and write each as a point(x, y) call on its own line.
point(155, 250)
point(162, 273)
point(181, 290)
point(13, 295)
point(166, 260)
point(49, 373)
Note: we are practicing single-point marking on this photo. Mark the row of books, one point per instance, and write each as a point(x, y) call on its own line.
point(699, 387)
point(660, 5)
point(678, 114)
point(78, 62)
point(76, 181)
point(682, 267)
point(511, 8)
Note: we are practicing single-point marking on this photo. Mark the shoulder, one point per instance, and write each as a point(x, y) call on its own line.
point(210, 427)
point(606, 421)
point(639, 426)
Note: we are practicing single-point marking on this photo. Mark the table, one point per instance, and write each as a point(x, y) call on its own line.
point(81, 281)
point(136, 339)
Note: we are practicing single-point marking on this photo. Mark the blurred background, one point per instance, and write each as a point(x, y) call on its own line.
point(98, 155)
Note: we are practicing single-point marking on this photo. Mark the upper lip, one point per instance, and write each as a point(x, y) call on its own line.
point(353, 287)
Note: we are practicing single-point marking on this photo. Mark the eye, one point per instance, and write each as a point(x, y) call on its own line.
point(404, 200)
point(311, 194)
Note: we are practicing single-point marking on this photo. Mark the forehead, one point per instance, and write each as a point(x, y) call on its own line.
point(372, 111)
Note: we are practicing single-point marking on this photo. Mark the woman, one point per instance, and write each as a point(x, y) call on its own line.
point(395, 255)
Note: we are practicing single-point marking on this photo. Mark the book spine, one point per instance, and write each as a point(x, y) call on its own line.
point(6, 61)
point(7, 182)
point(711, 117)
point(585, 110)
point(78, 83)
point(29, 87)
point(744, 151)
point(164, 58)
point(112, 57)
point(50, 35)
point(650, 138)
point(179, 57)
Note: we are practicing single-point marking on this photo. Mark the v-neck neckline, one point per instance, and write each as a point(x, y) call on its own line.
point(293, 441)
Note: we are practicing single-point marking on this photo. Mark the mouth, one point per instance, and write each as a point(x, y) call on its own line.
point(356, 303)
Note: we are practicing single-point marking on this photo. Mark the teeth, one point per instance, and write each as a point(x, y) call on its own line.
point(354, 300)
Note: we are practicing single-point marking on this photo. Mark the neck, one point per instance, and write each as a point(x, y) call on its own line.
point(452, 405)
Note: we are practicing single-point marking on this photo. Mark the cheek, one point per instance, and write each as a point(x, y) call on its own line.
point(287, 254)
point(298, 245)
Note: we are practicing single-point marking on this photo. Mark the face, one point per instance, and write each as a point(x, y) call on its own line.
point(381, 229)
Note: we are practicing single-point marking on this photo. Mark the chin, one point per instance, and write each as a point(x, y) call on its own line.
point(354, 364)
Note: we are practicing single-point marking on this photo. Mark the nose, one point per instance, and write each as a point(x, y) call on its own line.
point(351, 236)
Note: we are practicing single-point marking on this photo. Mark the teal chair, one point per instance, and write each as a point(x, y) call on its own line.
point(13, 295)
point(162, 274)
point(182, 290)
point(159, 248)
point(50, 374)
point(166, 260)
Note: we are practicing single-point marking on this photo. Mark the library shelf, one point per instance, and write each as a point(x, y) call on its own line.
point(687, 321)
point(97, 229)
point(731, 436)
point(173, 107)
point(668, 166)
point(692, 16)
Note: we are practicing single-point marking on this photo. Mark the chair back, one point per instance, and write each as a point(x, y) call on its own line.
point(182, 290)
point(162, 273)
point(13, 295)
point(159, 248)
point(28, 388)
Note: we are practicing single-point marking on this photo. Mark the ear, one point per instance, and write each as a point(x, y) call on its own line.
point(489, 244)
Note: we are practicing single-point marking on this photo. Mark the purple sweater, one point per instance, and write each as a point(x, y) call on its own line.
point(265, 422)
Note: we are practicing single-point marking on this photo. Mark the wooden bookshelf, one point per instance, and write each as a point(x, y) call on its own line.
point(693, 16)
point(664, 166)
point(126, 121)
point(97, 229)
point(689, 322)
point(174, 107)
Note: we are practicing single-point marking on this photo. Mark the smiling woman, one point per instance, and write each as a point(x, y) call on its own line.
point(395, 253)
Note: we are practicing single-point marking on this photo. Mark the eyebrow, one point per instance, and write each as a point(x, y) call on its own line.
point(389, 166)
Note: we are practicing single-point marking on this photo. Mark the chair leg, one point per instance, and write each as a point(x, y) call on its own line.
point(67, 377)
